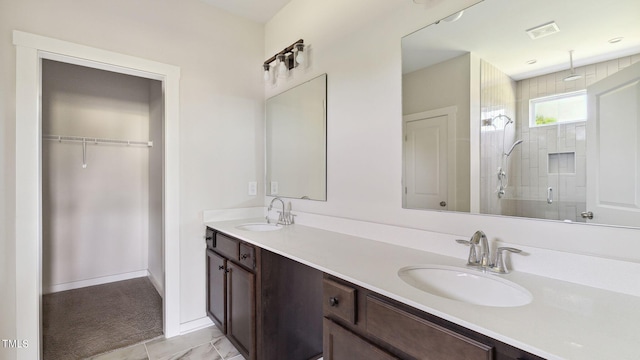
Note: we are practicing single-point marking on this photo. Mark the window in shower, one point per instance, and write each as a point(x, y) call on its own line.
point(559, 108)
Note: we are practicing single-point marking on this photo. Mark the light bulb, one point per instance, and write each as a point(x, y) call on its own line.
point(300, 58)
point(267, 74)
point(282, 69)
point(282, 66)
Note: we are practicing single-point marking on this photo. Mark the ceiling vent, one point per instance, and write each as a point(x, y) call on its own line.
point(543, 30)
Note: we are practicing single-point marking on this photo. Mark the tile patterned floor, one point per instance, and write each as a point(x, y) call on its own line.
point(206, 344)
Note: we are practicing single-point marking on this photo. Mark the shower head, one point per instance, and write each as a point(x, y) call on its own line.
point(513, 147)
point(509, 121)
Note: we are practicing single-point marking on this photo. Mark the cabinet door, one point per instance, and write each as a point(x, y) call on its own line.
point(342, 344)
point(241, 310)
point(217, 289)
point(418, 337)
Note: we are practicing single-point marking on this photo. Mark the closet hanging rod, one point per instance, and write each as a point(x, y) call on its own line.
point(91, 140)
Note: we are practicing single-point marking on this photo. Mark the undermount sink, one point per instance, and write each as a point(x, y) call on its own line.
point(465, 285)
point(259, 227)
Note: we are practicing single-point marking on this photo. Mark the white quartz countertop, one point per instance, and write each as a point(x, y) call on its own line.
point(564, 320)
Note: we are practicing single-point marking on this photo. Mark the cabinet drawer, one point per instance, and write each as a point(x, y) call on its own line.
point(248, 255)
point(341, 344)
point(227, 246)
point(419, 337)
point(339, 300)
point(209, 238)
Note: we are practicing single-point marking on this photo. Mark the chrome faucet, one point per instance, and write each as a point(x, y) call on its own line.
point(285, 217)
point(478, 259)
point(479, 238)
point(483, 259)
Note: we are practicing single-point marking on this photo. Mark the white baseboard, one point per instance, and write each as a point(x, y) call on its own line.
point(156, 284)
point(95, 281)
point(194, 325)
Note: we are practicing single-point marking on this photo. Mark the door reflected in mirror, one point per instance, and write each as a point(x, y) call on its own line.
point(296, 142)
point(545, 123)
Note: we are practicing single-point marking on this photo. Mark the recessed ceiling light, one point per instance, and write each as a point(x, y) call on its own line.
point(532, 61)
point(615, 40)
point(543, 30)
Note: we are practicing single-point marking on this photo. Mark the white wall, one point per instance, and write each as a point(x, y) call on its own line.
point(221, 109)
point(360, 52)
point(95, 219)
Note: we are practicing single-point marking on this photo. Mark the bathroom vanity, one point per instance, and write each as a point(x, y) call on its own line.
point(360, 308)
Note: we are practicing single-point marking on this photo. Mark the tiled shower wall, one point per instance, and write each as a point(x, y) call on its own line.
point(497, 97)
point(531, 172)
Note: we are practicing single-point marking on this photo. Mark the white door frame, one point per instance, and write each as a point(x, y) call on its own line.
point(30, 50)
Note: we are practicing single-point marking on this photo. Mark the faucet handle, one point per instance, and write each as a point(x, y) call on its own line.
point(473, 258)
point(500, 266)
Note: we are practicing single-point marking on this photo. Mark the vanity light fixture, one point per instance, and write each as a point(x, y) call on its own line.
point(287, 59)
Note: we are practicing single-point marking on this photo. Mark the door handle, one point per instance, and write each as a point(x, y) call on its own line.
point(443, 203)
point(549, 195)
point(587, 215)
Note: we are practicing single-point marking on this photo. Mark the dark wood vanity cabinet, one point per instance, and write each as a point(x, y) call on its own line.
point(269, 306)
point(241, 309)
point(217, 289)
point(231, 287)
point(360, 324)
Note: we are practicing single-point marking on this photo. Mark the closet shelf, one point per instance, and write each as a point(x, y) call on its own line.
point(96, 141)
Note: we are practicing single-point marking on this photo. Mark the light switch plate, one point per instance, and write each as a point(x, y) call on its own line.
point(274, 188)
point(253, 188)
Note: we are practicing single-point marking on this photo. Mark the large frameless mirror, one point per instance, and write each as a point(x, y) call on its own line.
point(296, 141)
point(525, 108)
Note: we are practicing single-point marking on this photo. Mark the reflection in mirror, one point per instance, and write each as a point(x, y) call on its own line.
point(538, 102)
point(296, 141)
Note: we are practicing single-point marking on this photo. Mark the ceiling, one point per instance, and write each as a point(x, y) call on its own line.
point(256, 10)
point(495, 31)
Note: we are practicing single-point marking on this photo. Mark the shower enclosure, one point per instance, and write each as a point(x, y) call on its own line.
point(528, 170)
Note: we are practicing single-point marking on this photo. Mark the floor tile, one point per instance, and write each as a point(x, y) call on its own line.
point(202, 352)
point(239, 357)
point(135, 352)
point(225, 348)
point(165, 347)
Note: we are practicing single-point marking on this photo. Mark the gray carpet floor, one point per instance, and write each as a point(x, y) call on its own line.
point(84, 322)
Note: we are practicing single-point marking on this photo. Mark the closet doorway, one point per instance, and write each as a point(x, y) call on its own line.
point(102, 267)
point(31, 52)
